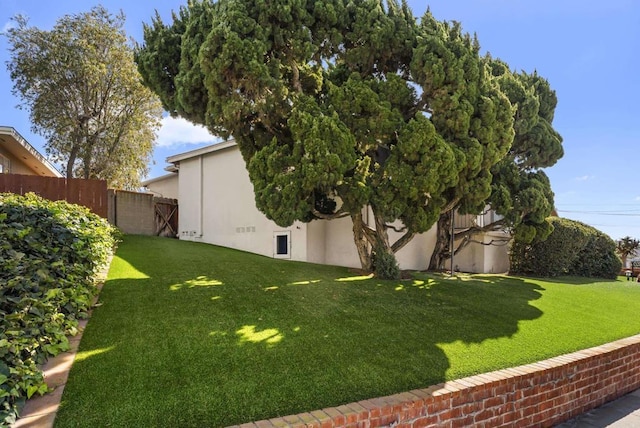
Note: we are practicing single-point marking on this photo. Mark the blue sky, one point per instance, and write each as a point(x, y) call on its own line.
point(588, 50)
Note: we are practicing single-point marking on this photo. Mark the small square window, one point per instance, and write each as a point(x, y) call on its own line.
point(282, 245)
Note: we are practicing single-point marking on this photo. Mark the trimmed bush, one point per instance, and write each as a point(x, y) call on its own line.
point(50, 253)
point(385, 265)
point(572, 248)
point(598, 258)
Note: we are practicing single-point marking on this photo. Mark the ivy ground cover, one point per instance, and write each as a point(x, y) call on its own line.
point(49, 255)
point(190, 334)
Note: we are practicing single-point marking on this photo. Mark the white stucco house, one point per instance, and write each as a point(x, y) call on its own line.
point(217, 206)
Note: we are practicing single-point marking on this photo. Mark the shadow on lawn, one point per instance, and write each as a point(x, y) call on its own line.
point(242, 337)
point(578, 280)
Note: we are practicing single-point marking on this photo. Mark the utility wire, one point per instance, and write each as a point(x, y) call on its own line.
point(626, 213)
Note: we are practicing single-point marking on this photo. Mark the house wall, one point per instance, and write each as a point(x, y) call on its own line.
point(17, 166)
point(496, 256)
point(218, 207)
point(478, 258)
point(469, 259)
point(316, 244)
point(190, 199)
point(165, 187)
point(340, 250)
point(417, 253)
point(331, 242)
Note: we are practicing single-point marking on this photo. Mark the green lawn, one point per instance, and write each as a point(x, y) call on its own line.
point(194, 335)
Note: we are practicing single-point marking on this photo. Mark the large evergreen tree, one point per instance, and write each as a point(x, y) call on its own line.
point(83, 90)
point(520, 191)
point(337, 106)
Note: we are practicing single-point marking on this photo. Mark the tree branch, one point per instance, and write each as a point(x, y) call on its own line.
point(338, 214)
point(404, 240)
point(396, 229)
point(496, 242)
point(466, 235)
point(451, 205)
point(296, 78)
point(370, 234)
point(491, 227)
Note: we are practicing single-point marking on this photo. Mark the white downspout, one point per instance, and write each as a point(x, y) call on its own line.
point(201, 197)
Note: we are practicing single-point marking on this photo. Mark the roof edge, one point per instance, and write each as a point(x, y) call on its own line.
point(201, 151)
point(145, 183)
point(9, 130)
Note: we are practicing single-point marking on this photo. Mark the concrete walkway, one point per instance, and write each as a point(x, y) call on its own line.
point(621, 413)
point(40, 411)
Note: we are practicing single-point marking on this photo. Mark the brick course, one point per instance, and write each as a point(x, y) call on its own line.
point(540, 394)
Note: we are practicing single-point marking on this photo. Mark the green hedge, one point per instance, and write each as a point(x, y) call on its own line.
point(50, 253)
point(573, 248)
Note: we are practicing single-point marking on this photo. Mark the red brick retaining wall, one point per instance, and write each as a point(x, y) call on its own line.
point(541, 394)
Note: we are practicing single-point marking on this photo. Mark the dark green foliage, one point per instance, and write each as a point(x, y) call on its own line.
point(355, 102)
point(598, 258)
point(385, 264)
point(521, 192)
point(49, 254)
point(572, 248)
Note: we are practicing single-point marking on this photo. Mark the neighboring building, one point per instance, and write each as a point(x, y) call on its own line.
point(17, 156)
point(217, 206)
point(165, 186)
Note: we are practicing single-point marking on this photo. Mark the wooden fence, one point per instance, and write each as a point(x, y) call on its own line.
point(89, 193)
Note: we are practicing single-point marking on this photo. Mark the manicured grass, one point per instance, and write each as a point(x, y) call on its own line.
point(194, 335)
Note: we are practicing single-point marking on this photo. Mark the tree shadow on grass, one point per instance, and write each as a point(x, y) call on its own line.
point(205, 336)
point(577, 280)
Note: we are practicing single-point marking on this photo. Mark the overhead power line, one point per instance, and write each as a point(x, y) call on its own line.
point(624, 213)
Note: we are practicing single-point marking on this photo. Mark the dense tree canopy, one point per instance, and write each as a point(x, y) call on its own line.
point(83, 90)
point(339, 105)
point(520, 191)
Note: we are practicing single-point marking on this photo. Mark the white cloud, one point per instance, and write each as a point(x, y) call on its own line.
point(7, 26)
point(178, 131)
point(584, 178)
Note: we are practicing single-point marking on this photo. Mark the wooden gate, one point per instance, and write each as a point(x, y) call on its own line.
point(166, 217)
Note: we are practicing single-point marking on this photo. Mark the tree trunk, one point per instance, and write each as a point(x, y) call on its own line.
point(366, 239)
point(361, 241)
point(381, 232)
point(87, 166)
point(442, 249)
point(71, 161)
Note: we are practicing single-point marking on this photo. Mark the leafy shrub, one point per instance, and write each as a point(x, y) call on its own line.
point(598, 258)
point(385, 264)
point(49, 255)
point(572, 248)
